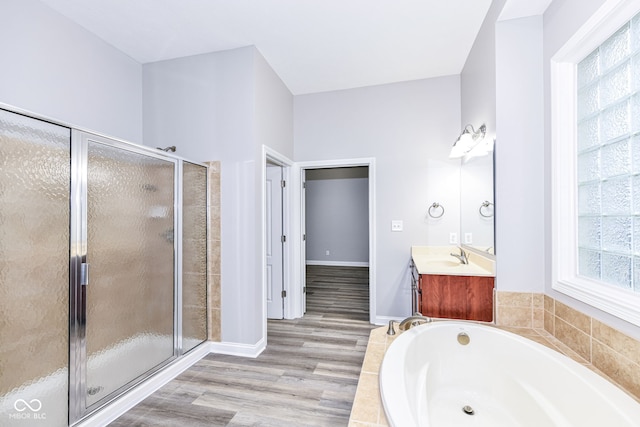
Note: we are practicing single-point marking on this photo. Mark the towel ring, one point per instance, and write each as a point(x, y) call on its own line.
point(434, 207)
point(485, 205)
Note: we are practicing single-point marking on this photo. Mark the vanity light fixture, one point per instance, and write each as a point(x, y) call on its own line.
point(469, 138)
point(482, 148)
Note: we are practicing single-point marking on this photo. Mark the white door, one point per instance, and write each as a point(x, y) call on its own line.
point(274, 238)
point(303, 250)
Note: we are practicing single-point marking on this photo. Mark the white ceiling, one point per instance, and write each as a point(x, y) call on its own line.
point(313, 45)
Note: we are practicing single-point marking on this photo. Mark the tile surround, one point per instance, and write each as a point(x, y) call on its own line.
point(367, 407)
point(519, 309)
point(587, 340)
point(213, 248)
point(611, 353)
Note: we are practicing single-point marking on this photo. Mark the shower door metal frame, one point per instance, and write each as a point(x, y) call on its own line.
point(78, 274)
point(177, 239)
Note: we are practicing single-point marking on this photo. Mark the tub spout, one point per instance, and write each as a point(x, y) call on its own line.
point(414, 320)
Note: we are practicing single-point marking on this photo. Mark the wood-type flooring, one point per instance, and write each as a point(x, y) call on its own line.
point(307, 376)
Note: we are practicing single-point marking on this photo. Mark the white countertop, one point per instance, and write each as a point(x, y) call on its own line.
point(437, 260)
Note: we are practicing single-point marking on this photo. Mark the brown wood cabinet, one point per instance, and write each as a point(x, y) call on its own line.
point(453, 297)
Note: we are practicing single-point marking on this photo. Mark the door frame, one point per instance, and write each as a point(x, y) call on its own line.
point(294, 268)
point(370, 162)
point(272, 156)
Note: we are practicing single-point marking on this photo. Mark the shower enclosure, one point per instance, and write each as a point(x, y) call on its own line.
point(102, 268)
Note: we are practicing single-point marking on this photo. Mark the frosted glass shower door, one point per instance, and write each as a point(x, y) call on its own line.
point(130, 252)
point(34, 271)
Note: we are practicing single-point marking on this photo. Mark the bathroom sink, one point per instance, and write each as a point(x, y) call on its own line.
point(444, 263)
point(437, 260)
point(444, 266)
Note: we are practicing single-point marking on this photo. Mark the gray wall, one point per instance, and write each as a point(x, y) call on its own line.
point(409, 128)
point(478, 77)
point(55, 68)
point(520, 155)
point(337, 216)
point(224, 106)
point(501, 85)
point(273, 109)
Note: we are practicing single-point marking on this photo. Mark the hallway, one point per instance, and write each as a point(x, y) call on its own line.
point(307, 376)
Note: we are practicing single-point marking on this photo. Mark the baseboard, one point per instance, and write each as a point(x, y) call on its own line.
point(338, 263)
point(235, 349)
point(128, 400)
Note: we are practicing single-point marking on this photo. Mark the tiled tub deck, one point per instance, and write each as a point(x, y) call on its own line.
point(367, 407)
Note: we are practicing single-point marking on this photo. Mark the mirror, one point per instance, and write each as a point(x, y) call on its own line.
point(476, 203)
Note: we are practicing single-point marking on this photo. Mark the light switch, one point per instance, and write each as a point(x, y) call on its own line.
point(396, 225)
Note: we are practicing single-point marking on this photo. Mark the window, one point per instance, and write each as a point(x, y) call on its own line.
point(608, 157)
point(596, 163)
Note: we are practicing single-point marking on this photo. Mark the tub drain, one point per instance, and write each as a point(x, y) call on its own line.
point(468, 410)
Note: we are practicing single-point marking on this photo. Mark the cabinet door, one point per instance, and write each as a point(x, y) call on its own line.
point(480, 297)
point(457, 297)
point(416, 286)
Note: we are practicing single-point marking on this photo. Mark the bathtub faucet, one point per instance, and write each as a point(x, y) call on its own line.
point(407, 323)
point(462, 257)
point(414, 320)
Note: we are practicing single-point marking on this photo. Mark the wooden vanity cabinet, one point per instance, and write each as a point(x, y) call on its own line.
point(453, 297)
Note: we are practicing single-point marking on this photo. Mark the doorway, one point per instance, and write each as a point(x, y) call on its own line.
point(337, 241)
point(340, 232)
point(293, 220)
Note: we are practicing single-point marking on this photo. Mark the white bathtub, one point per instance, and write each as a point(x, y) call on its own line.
point(427, 377)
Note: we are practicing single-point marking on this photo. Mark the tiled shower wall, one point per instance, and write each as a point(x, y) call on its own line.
point(213, 246)
point(607, 350)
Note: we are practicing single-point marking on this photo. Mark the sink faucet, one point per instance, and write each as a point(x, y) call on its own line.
point(462, 257)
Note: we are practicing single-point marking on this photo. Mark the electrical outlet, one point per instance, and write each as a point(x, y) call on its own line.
point(453, 238)
point(327, 253)
point(468, 238)
point(396, 225)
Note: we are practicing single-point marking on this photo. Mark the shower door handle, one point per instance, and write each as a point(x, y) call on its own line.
point(84, 274)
